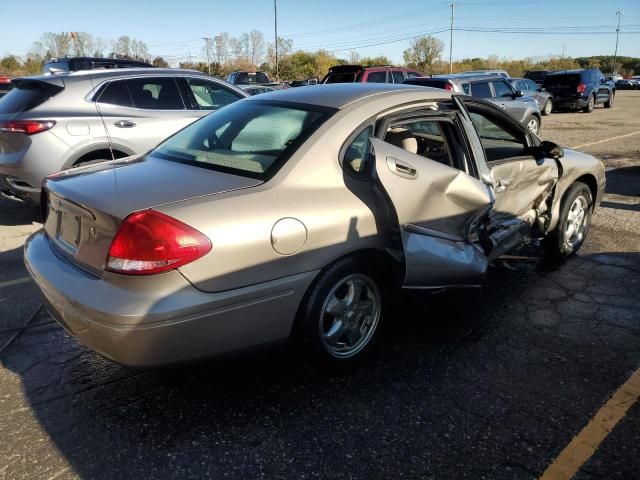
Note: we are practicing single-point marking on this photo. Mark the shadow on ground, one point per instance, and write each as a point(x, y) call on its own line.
point(490, 382)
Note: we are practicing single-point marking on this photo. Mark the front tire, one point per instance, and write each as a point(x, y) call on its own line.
point(576, 209)
point(590, 105)
point(548, 107)
point(610, 100)
point(340, 319)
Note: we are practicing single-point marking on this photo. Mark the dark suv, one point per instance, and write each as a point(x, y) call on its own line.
point(379, 74)
point(537, 76)
point(580, 89)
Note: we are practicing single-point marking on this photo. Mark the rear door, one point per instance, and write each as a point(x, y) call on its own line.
point(435, 202)
point(141, 112)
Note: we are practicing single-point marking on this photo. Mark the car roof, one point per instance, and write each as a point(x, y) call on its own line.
point(339, 95)
point(574, 71)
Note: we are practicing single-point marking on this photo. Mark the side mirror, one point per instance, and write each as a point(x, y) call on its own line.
point(551, 150)
point(518, 93)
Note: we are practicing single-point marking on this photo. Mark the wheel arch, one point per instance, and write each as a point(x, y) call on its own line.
point(94, 148)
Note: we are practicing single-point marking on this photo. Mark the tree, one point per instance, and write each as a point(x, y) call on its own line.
point(221, 48)
point(423, 53)
point(379, 60)
point(160, 62)
point(126, 47)
point(10, 63)
point(256, 47)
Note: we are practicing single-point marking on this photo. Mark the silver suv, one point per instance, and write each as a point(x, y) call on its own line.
point(493, 88)
point(54, 122)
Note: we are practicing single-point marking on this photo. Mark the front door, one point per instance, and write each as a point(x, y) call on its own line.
point(435, 204)
point(521, 182)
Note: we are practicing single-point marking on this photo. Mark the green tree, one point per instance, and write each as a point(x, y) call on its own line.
point(423, 53)
point(160, 62)
point(10, 63)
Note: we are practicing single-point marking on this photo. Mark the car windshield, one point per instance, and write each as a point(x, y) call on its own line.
point(245, 138)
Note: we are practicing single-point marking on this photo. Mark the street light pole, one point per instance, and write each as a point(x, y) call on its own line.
point(275, 23)
point(207, 41)
point(453, 6)
point(614, 70)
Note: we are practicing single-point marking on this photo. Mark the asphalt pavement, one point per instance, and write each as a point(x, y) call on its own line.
point(489, 383)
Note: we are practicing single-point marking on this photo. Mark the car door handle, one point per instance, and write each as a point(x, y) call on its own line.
point(124, 124)
point(401, 168)
point(502, 185)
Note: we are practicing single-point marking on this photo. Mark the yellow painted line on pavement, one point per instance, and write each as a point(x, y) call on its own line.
point(607, 140)
point(584, 445)
point(17, 281)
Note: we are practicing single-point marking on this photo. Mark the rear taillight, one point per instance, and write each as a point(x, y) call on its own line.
point(28, 127)
point(448, 86)
point(151, 242)
point(581, 88)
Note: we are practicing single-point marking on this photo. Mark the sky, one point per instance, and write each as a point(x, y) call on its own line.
point(174, 30)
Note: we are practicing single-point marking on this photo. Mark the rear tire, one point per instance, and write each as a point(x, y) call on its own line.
point(590, 105)
point(548, 107)
point(610, 100)
point(340, 320)
point(533, 124)
point(576, 209)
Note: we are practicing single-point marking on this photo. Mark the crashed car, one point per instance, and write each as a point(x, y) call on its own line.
point(292, 215)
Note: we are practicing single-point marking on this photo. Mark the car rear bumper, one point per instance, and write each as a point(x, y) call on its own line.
point(165, 321)
point(572, 103)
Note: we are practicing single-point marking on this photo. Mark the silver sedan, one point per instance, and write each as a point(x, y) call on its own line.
point(292, 215)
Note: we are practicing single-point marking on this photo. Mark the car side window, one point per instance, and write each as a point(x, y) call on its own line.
point(423, 137)
point(481, 90)
point(466, 88)
point(377, 77)
point(210, 95)
point(116, 93)
point(156, 93)
point(532, 85)
point(523, 85)
point(498, 140)
point(502, 89)
point(356, 156)
point(413, 74)
point(398, 76)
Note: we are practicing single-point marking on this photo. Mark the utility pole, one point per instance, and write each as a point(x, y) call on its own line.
point(614, 70)
point(207, 43)
point(453, 7)
point(275, 23)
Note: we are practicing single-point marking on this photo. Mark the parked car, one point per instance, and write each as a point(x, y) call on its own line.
point(492, 87)
point(529, 88)
point(502, 73)
point(377, 74)
point(294, 215)
point(54, 122)
point(537, 76)
point(255, 89)
point(626, 85)
point(304, 83)
point(75, 64)
point(5, 86)
point(261, 79)
point(580, 89)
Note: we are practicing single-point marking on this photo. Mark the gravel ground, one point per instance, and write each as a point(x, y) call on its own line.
point(489, 383)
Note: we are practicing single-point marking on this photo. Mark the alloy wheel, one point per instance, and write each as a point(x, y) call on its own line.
point(577, 222)
point(533, 125)
point(350, 315)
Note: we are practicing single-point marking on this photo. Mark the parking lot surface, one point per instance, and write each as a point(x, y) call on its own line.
point(489, 383)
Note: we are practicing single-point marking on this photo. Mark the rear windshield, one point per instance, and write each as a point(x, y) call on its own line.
point(23, 99)
point(347, 77)
point(565, 79)
point(247, 79)
point(247, 138)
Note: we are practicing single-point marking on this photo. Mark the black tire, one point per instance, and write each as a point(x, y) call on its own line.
point(557, 245)
point(588, 108)
point(548, 107)
point(314, 322)
point(532, 123)
point(610, 100)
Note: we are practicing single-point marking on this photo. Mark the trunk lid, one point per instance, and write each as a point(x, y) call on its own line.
point(86, 205)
